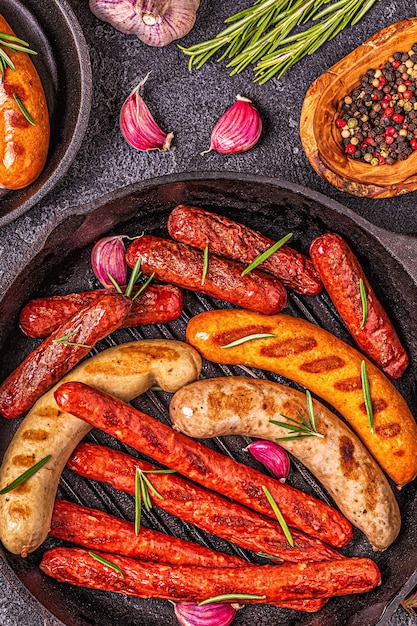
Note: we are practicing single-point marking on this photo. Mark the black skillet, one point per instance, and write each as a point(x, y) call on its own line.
point(51, 28)
point(275, 208)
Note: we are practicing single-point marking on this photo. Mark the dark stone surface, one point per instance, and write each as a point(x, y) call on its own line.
point(188, 104)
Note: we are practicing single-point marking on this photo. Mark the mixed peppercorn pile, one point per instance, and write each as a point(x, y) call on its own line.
point(378, 120)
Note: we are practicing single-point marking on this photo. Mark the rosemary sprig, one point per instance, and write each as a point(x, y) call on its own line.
point(228, 597)
point(25, 476)
point(279, 516)
point(135, 275)
point(65, 340)
point(266, 254)
point(268, 33)
point(241, 340)
point(367, 396)
point(100, 559)
point(24, 110)
point(300, 428)
point(205, 264)
point(13, 43)
point(364, 301)
point(142, 496)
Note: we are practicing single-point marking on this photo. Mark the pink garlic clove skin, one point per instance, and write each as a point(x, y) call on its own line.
point(138, 126)
point(108, 257)
point(155, 22)
point(238, 129)
point(273, 456)
point(191, 614)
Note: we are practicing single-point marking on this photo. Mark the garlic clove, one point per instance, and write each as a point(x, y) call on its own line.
point(238, 129)
point(273, 456)
point(108, 257)
point(191, 614)
point(138, 126)
point(155, 22)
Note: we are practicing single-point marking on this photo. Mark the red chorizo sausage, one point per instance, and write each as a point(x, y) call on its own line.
point(192, 503)
point(225, 237)
point(95, 529)
point(156, 305)
point(53, 358)
point(194, 584)
point(341, 272)
point(183, 265)
point(199, 463)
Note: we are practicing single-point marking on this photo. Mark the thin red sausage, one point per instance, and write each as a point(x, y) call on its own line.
point(290, 581)
point(199, 463)
point(183, 265)
point(52, 359)
point(341, 272)
point(95, 529)
point(192, 503)
point(225, 237)
point(156, 305)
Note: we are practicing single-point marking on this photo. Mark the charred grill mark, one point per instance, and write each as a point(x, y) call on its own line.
point(388, 431)
point(146, 433)
point(378, 405)
point(348, 384)
point(326, 364)
point(289, 347)
point(348, 461)
point(197, 462)
point(38, 434)
point(24, 460)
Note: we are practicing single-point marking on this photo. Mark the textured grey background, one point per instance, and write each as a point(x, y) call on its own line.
point(188, 104)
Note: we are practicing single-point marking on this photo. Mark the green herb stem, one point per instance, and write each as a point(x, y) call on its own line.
point(279, 516)
point(230, 597)
point(241, 340)
point(205, 265)
point(302, 428)
point(25, 476)
point(364, 301)
point(266, 254)
point(367, 396)
point(113, 566)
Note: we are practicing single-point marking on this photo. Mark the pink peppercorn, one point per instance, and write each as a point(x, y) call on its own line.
point(350, 148)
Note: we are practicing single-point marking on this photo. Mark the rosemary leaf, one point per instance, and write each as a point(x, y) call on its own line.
point(205, 264)
point(138, 501)
point(65, 341)
point(266, 254)
point(100, 559)
point(136, 273)
point(227, 597)
point(364, 300)
point(25, 476)
point(143, 287)
point(238, 342)
point(367, 396)
point(279, 516)
point(301, 428)
point(24, 110)
point(114, 283)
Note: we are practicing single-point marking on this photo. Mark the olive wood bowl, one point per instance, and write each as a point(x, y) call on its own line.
point(321, 138)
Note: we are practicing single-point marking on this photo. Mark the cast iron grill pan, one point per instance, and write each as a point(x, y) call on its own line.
point(274, 208)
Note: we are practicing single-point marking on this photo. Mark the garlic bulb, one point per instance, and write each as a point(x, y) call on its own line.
point(155, 22)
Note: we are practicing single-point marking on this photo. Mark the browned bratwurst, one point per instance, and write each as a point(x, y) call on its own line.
point(156, 305)
point(341, 273)
point(57, 354)
point(272, 584)
point(225, 237)
point(23, 145)
point(183, 265)
point(206, 467)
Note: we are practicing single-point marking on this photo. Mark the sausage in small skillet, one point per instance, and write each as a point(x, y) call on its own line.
point(23, 146)
point(183, 266)
point(200, 228)
point(341, 272)
point(206, 467)
point(194, 504)
point(126, 370)
point(241, 406)
point(95, 529)
point(324, 364)
point(158, 304)
point(290, 581)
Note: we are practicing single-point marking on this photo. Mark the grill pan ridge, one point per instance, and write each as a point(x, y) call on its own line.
point(273, 207)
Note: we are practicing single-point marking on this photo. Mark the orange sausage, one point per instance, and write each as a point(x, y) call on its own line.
point(23, 145)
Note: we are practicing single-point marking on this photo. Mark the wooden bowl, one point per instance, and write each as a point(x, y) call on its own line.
point(322, 105)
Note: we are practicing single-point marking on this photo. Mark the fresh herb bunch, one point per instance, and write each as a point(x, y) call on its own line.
point(265, 34)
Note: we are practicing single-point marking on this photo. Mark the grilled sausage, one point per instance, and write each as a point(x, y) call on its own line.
point(325, 365)
point(192, 583)
point(23, 145)
point(95, 529)
point(156, 305)
point(225, 237)
point(199, 463)
point(241, 406)
point(127, 371)
point(192, 503)
point(341, 272)
point(183, 265)
point(57, 354)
